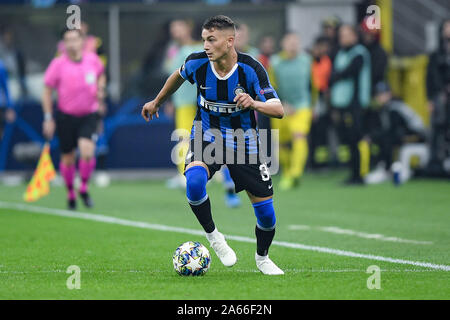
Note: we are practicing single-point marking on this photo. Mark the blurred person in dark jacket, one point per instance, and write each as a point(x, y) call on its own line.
point(370, 38)
point(438, 94)
point(320, 76)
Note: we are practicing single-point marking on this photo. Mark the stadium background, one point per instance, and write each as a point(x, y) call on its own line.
point(134, 74)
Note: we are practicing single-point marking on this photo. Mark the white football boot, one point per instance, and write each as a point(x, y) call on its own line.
point(266, 266)
point(221, 248)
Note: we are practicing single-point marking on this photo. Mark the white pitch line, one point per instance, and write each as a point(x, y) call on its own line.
point(146, 225)
point(359, 234)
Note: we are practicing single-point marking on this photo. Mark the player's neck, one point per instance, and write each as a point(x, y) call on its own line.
point(224, 65)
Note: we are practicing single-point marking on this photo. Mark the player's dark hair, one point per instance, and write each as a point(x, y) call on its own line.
point(63, 32)
point(219, 22)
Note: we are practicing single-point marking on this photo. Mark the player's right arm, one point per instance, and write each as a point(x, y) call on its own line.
point(48, 127)
point(172, 84)
point(51, 81)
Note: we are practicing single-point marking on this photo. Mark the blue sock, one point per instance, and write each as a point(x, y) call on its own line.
point(196, 179)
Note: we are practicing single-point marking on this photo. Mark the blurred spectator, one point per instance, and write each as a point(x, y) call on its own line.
point(320, 74)
point(438, 92)
point(6, 111)
point(266, 50)
point(242, 41)
point(184, 100)
point(292, 71)
point(350, 94)
point(371, 40)
point(13, 58)
point(330, 27)
point(394, 125)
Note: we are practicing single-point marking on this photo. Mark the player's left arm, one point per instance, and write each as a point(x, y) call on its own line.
point(269, 104)
point(271, 108)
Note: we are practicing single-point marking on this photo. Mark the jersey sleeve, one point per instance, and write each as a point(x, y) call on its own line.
point(51, 77)
point(262, 86)
point(187, 69)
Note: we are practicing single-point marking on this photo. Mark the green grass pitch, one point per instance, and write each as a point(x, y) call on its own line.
point(126, 262)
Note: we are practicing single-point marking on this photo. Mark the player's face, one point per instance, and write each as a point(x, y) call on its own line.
point(217, 43)
point(73, 42)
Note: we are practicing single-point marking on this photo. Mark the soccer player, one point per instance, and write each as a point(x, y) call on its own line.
point(228, 83)
point(291, 72)
point(78, 78)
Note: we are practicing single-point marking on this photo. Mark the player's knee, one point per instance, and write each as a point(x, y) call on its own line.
point(265, 214)
point(196, 179)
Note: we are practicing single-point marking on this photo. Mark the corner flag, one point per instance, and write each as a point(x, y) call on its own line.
point(39, 185)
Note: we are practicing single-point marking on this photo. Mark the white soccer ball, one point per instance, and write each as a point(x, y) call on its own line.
point(191, 259)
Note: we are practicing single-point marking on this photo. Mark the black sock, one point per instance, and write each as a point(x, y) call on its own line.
point(263, 241)
point(203, 214)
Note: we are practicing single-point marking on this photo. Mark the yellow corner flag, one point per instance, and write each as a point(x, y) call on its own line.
point(39, 185)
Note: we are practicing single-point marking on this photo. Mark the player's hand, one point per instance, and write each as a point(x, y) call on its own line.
point(149, 110)
point(244, 100)
point(48, 128)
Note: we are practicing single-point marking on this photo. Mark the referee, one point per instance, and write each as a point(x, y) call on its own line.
point(78, 78)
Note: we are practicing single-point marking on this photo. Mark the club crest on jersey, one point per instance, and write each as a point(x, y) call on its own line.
point(238, 90)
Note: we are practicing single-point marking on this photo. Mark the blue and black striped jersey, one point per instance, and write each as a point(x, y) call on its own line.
point(215, 94)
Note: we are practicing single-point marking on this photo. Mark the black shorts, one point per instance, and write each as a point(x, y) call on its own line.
point(70, 128)
point(252, 177)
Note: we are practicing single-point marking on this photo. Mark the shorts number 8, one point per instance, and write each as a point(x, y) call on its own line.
point(265, 174)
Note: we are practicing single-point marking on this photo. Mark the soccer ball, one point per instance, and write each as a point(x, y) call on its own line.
point(191, 259)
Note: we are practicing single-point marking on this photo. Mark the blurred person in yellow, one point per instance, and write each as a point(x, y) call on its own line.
point(291, 78)
point(185, 99)
point(44, 173)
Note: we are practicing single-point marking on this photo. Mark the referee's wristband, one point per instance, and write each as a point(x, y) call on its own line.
point(48, 116)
